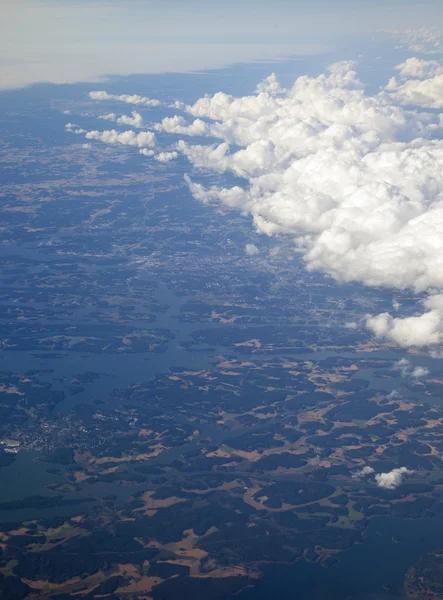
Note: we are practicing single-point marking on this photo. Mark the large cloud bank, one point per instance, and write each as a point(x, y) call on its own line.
point(356, 179)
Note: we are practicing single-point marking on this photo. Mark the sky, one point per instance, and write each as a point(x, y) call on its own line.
point(64, 41)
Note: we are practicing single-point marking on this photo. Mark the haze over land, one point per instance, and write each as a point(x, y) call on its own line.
point(68, 41)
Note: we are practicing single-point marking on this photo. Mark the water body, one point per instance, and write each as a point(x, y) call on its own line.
point(369, 571)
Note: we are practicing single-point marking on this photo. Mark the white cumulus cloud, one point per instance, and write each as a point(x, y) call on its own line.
point(270, 85)
point(177, 104)
point(363, 472)
point(417, 68)
point(144, 139)
point(135, 120)
point(165, 157)
point(419, 83)
point(426, 93)
point(146, 152)
point(127, 98)
point(179, 126)
point(418, 372)
point(422, 330)
point(391, 480)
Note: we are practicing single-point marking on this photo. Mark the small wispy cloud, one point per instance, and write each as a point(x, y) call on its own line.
point(407, 370)
point(251, 250)
point(423, 40)
point(363, 472)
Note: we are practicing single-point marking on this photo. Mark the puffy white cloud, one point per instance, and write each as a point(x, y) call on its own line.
point(177, 104)
point(146, 152)
point(418, 372)
point(417, 68)
point(136, 120)
point(419, 83)
point(355, 178)
point(427, 93)
point(363, 472)
point(127, 98)
point(165, 157)
point(179, 126)
point(425, 329)
point(109, 117)
point(144, 139)
point(251, 250)
point(391, 480)
point(270, 86)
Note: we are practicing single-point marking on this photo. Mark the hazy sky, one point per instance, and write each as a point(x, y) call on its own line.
point(64, 41)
